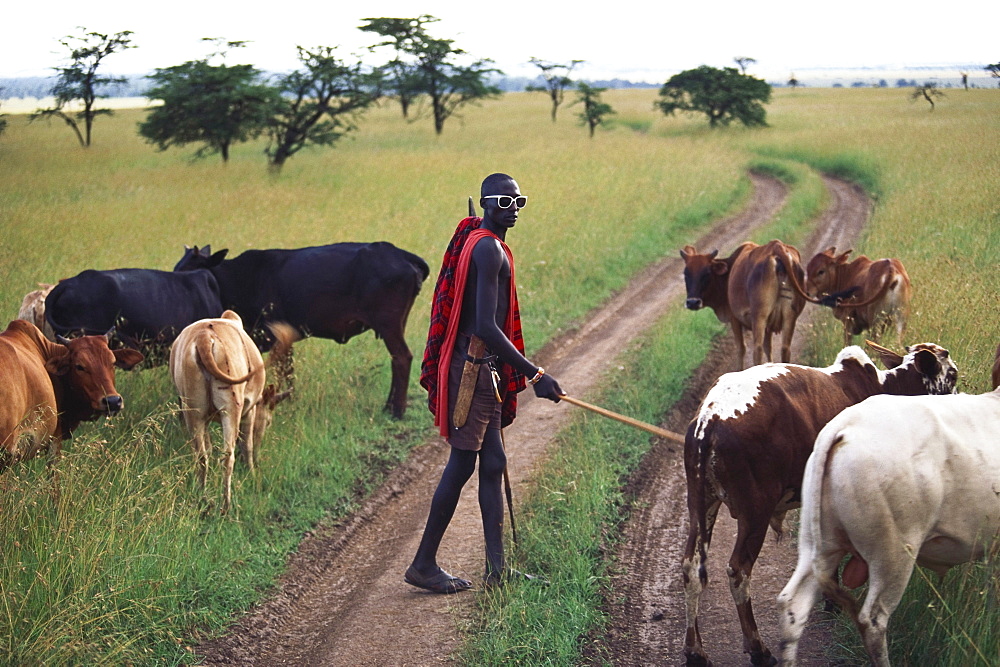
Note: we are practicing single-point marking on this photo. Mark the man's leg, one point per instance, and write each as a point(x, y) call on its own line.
point(492, 462)
point(457, 472)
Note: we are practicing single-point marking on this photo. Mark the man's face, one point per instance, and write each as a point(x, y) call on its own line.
point(493, 214)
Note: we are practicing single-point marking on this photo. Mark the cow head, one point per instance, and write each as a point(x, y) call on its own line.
point(822, 273)
point(269, 400)
point(703, 275)
point(194, 258)
point(88, 372)
point(926, 369)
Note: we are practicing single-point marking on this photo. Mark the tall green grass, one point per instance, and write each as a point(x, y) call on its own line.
point(124, 569)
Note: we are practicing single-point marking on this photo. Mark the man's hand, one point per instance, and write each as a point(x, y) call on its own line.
point(547, 387)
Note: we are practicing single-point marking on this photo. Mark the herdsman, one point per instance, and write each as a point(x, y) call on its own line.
point(473, 368)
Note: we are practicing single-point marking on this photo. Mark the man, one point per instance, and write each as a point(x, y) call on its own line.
point(475, 298)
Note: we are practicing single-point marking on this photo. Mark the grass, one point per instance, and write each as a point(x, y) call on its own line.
point(123, 569)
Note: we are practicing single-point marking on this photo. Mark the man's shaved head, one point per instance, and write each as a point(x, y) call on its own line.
point(493, 183)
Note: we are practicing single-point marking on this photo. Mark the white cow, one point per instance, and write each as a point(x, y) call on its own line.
point(33, 309)
point(893, 481)
point(220, 376)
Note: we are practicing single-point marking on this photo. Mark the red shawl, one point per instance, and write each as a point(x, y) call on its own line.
point(448, 294)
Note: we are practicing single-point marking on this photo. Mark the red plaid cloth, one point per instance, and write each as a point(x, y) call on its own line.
point(448, 294)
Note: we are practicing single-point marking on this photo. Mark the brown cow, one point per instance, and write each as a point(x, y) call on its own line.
point(747, 448)
point(869, 294)
point(220, 376)
point(750, 289)
point(49, 388)
point(33, 309)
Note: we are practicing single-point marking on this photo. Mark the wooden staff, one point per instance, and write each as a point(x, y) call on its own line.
point(655, 430)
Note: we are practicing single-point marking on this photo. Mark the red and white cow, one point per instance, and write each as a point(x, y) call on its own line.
point(48, 388)
point(33, 309)
point(748, 445)
point(869, 294)
point(750, 290)
point(893, 481)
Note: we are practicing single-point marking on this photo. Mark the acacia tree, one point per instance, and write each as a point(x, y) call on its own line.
point(724, 95)
point(793, 82)
point(79, 81)
point(557, 80)
point(436, 70)
point(744, 62)
point(217, 105)
point(318, 103)
point(928, 91)
point(399, 74)
point(994, 71)
point(594, 110)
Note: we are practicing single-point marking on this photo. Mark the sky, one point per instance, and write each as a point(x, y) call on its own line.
point(637, 40)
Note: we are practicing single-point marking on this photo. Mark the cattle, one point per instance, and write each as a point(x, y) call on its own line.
point(864, 293)
point(146, 307)
point(995, 375)
point(50, 387)
point(333, 291)
point(751, 290)
point(220, 376)
point(892, 482)
point(33, 309)
point(748, 444)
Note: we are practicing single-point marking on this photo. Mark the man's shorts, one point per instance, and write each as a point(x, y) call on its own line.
point(485, 410)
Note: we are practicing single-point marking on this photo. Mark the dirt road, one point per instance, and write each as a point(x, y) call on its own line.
point(343, 601)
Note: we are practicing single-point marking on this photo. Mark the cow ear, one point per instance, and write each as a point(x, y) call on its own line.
point(687, 251)
point(216, 258)
point(720, 268)
point(57, 362)
point(842, 258)
point(927, 363)
point(127, 359)
point(889, 358)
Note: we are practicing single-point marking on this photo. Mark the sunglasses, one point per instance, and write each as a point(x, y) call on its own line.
point(504, 201)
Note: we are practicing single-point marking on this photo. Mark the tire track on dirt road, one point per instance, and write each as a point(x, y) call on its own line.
point(648, 608)
point(343, 601)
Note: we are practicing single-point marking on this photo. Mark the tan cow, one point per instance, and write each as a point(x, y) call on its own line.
point(33, 309)
point(868, 294)
point(48, 388)
point(750, 289)
point(220, 376)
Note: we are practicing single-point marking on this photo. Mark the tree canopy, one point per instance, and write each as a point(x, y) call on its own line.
point(432, 67)
point(556, 76)
point(217, 105)
point(79, 81)
point(594, 110)
point(724, 95)
point(318, 103)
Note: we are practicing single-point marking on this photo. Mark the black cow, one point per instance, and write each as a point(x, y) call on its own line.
point(334, 291)
point(147, 308)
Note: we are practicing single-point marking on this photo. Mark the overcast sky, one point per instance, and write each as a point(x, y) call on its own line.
point(637, 40)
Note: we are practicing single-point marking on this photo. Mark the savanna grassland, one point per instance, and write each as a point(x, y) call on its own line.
point(123, 568)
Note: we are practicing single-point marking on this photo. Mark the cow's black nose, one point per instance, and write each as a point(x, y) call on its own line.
point(113, 404)
point(693, 304)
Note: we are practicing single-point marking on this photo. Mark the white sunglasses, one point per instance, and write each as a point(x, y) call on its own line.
point(504, 201)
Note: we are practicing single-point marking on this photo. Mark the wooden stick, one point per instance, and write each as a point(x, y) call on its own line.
point(655, 430)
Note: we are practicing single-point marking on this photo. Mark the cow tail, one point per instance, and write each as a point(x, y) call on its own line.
point(811, 519)
point(786, 263)
point(203, 350)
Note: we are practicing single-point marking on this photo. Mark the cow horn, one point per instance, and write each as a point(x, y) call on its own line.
point(62, 340)
point(109, 333)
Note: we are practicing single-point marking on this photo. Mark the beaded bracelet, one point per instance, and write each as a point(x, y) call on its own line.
point(538, 376)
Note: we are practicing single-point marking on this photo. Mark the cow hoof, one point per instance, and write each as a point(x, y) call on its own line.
point(697, 660)
point(764, 659)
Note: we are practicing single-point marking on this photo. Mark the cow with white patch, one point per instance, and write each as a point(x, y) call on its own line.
point(220, 376)
point(748, 445)
point(892, 482)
